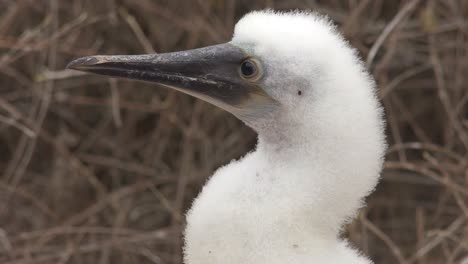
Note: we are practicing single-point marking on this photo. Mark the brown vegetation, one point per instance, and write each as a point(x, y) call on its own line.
point(95, 170)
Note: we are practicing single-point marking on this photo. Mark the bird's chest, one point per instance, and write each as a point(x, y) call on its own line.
point(239, 212)
point(234, 200)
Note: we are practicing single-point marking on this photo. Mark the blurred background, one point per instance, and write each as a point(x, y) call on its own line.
point(97, 170)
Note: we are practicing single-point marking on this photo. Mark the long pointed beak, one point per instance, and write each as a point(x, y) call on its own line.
point(210, 73)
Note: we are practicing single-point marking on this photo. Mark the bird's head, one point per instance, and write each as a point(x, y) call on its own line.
point(278, 70)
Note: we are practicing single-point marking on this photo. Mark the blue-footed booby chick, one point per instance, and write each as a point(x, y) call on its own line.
point(295, 80)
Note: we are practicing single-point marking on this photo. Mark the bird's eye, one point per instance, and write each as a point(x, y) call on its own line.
point(249, 69)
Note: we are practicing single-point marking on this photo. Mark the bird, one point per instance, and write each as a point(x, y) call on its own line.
point(298, 83)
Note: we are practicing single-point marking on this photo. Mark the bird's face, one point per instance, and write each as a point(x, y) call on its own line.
point(269, 72)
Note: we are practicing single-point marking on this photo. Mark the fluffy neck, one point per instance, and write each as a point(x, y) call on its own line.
point(286, 201)
point(325, 166)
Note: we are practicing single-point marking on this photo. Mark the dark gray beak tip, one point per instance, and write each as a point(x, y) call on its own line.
point(82, 64)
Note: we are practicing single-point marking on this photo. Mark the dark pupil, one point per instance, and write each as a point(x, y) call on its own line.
point(248, 68)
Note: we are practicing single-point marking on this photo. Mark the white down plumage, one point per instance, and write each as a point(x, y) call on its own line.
point(318, 154)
